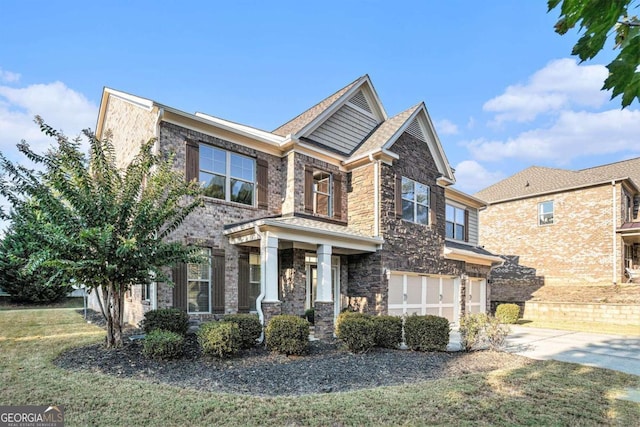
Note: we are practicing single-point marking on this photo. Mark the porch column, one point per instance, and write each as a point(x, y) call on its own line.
point(269, 267)
point(324, 274)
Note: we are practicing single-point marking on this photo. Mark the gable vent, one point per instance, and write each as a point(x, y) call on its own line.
point(360, 101)
point(414, 130)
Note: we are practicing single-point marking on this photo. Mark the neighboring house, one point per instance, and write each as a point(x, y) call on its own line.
point(341, 207)
point(563, 227)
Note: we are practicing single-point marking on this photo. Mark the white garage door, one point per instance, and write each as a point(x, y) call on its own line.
point(437, 295)
point(476, 296)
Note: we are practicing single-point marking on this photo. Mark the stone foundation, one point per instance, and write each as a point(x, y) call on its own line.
point(271, 309)
point(323, 320)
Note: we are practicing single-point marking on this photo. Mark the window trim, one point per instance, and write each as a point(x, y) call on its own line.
point(545, 223)
point(254, 282)
point(465, 213)
point(228, 177)
point(415, 202)
point(329, 194)
point(210, 293)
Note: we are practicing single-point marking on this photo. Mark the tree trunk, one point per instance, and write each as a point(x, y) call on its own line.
point(113, 316)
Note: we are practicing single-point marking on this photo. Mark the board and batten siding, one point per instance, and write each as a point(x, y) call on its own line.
point(344, 130)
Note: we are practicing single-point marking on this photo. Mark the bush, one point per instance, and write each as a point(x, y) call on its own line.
point(426, 333)
point(219, 339)
point(163, 345)
point(508, 313)
point(477, 329)
point(388, 331)
point(250, 328)
point(168, 319)
point(310, 315)
point(358, 333)
point(288, 334)
point(344, 315)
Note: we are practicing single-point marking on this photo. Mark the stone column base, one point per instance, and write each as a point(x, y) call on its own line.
point(323, 320)
point(270, 309)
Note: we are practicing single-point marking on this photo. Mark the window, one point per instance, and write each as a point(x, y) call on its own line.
point(415, 201)
point(545, 213)
point(199, 285)
point(322, 193)
point(455, 223)
point(254, 280)
point(227, 176)
point(146, 292)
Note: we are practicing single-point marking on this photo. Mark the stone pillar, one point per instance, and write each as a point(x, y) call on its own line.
point(270, 309)
point(324, 320)
point(269, 267)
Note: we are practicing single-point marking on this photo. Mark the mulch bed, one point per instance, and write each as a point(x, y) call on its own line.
point(326, 368)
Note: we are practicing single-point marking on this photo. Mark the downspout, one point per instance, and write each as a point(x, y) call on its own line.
point(263, 284)
point(376, 196)
point(613, 233)
point(156, 146)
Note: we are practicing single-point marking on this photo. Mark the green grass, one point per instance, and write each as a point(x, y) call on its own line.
point(67, 302)
point(542, 393)
point(592, 327)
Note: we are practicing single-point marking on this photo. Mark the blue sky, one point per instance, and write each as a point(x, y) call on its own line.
point(498, 82)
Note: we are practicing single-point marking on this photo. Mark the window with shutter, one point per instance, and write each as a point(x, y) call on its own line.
point(323, 193)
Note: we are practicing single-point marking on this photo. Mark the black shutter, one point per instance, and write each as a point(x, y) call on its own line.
point(337, 196)
point(398, 196)
point(217, 282)
point(308, 189)
point(263, 183)
point(243, 282)
point(179, 276)
point(192, 164)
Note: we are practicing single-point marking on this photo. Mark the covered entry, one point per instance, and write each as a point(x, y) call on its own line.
point(410, 293)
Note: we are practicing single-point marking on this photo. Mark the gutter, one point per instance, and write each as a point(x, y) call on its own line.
point(614, 221)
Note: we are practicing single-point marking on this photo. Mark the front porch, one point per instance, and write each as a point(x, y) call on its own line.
point(630, 233)
point(302, 265)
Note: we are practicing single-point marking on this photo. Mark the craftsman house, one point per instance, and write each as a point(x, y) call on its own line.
point(564, 227)
point(340, 207)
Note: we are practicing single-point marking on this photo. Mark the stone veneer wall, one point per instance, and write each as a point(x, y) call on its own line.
point(618, 314)
point(293, 281)
point(575, 250)
point(361, 196)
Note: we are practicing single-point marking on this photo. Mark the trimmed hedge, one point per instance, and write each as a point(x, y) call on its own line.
point(163, 345)
point(167, 319)
point(426, 333)
point(508, 313)
point(288, 334)
point(388, 331)
point(219, 339)
point(344, 315)
point(250, 328)
point(358, 333)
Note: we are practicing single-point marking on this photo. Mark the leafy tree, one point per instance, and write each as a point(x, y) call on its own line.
point(108, 228)
point(45, 285)
point(597, 19)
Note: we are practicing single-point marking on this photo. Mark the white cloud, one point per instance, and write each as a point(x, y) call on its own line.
point(8, 76)
point(560, 85)
point(573, 134)
point(446, 127)
point(471, 176)
point(61, 107)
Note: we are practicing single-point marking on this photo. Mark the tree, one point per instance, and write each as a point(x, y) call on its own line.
point(597, 19)
point(108, 228)
point(45, 285)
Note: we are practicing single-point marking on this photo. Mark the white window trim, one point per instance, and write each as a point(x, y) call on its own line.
point(329, 194)
point(464, 209)
point(228, 176)
point(540, 213)
point(416, 203)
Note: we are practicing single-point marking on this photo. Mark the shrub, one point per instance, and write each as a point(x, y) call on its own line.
point(426, 333)
point(388, 331)
point(310, 315)
point(344, 315)
point(496, 333)
point(287, 334)
point(249, 326)
point(168, 319)
point(163, 345)
point(508, 313)
point(358, 333)
point(219, 339)
point(472, 330)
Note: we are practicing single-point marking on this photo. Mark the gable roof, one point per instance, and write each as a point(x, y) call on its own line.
point(302, 122)
point(538, 180)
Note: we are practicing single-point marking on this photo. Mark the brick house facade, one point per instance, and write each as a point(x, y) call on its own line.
point(341, 207)
point(562, 228)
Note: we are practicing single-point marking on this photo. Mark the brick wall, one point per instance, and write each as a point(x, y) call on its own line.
point(575, 250)
point(361, 196)
point(618, 314)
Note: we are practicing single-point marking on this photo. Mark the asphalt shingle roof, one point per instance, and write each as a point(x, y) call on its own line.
point(540, 180)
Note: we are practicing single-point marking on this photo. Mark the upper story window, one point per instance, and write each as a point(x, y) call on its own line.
point(415, 201)
point(323, 193)
point(227, 176)
point(456, 223)
point(628, 208)
point(545, 213)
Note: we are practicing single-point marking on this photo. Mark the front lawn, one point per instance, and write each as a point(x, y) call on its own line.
point(541, 393)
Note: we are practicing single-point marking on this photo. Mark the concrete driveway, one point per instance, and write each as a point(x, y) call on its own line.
point(617, 352)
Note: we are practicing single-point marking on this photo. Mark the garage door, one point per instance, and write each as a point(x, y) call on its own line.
point(437, 295)
point(476, 296)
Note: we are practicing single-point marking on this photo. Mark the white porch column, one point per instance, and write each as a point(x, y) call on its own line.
point(324, 274)
point(269, 267)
